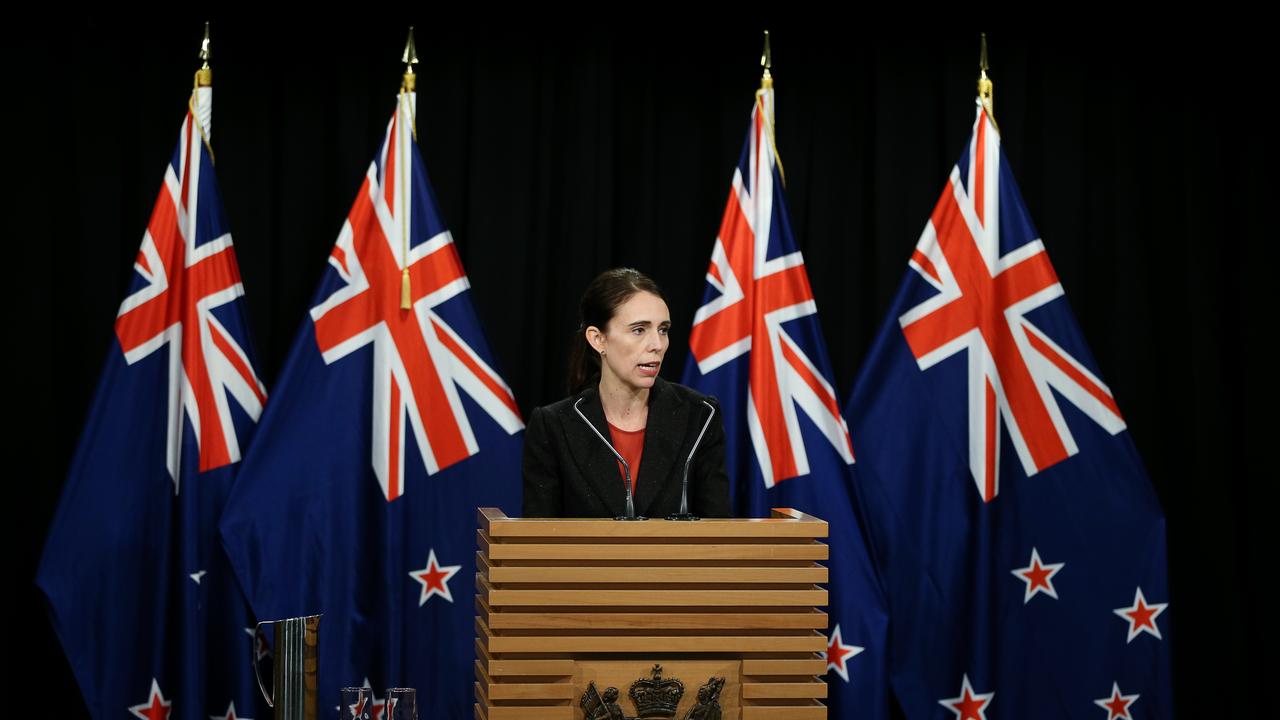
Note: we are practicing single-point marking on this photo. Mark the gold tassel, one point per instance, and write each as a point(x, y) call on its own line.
point(406, 297)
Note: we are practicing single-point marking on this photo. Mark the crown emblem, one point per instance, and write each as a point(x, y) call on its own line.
point(656, 697)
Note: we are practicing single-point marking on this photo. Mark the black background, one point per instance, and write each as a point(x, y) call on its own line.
point(557, 150)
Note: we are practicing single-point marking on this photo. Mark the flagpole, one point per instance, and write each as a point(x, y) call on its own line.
point(408, 86)
point(766, 109)
point(985, 87)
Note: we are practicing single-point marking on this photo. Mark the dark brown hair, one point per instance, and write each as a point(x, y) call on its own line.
point(600, 301)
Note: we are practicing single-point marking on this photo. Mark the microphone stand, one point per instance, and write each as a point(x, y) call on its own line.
point(684, 513)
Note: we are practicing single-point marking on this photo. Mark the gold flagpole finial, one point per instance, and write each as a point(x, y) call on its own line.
point(204, 76)
point(985, 87)
point(766, 63)
point(409, 58)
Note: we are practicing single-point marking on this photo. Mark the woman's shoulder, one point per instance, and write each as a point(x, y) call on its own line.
point(685, 394)
point(564, 406)
point(688, 392)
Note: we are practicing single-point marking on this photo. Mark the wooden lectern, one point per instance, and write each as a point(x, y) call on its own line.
point(571, 608)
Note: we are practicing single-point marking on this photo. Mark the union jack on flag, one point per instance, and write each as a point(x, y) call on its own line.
point(186, 272)
point(757, 289)
point(757, 346)
point(1043, 593)
point(389, 425)
point(141, 593)
point(420, 361)
point(987, 295)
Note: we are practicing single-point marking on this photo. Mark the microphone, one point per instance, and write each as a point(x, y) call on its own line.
point(626, 469)
point(684, 485)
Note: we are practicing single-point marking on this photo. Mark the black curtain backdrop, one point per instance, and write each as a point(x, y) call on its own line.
point(557, 150)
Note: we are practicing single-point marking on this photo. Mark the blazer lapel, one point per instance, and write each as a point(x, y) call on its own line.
point(595, 462)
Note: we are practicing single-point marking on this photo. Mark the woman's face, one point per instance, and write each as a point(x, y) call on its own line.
point(634, 342)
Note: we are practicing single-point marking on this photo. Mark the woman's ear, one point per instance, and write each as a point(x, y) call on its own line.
point(595, 339)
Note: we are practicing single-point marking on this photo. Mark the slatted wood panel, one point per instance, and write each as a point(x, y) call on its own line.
point(811, 710)
point(666, 552)
point(560, 602)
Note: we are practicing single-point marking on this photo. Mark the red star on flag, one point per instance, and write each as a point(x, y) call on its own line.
point(155, 708)
point(1141, 616)
point(434, 578)
point(358, 708)
point(968, 705)
point(1038, 576)
point(231, 714)
point(1117, 706)
point(376, 704)
point(838, 653)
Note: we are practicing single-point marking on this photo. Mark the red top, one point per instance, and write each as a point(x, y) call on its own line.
point(630, 445)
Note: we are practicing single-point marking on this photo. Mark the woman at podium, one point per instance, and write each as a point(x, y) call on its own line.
point(622, 443)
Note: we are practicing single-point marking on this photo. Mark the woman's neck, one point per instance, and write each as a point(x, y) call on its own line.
point(626, 408)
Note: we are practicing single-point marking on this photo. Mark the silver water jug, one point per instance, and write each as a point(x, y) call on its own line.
point(295, 669)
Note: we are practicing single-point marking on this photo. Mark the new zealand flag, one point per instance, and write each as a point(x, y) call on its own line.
point(757, 346)
point(389, 427)
point(1020, 544)
point(142, 597)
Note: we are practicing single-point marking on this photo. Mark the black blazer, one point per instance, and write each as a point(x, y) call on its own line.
point(568, 472)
